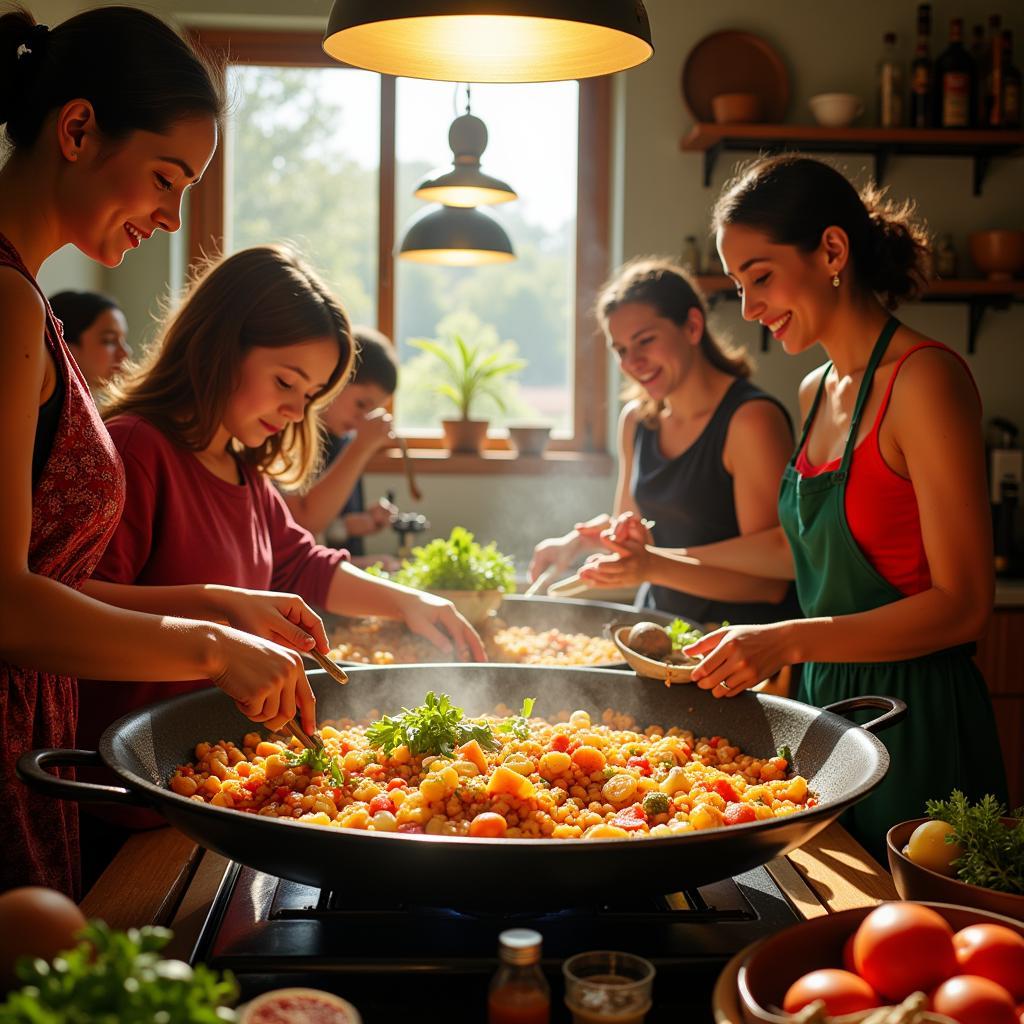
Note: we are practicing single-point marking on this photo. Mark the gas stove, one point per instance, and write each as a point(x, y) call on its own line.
point(434, 960)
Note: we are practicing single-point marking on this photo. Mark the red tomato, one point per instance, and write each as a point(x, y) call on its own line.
point(397, 784)
point(560, 741)
point(641, 764)
point(973, 1000)
point(382, 803)
point(736, 814)
point(901, 948)
point(724, 789)
point(841, 991)
point(992, 951)
point(631, 818)
point(848, 962)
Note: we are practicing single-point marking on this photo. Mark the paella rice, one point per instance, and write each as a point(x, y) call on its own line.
point(570, 778)
point(374, 641)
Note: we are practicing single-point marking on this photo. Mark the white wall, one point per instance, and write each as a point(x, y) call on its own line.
point(659, 199)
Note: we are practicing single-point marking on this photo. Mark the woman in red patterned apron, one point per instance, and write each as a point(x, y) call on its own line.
point(110, 117)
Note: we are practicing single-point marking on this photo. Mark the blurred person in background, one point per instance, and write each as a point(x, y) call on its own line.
point(96, 331)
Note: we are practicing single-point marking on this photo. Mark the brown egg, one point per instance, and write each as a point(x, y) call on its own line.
point(35, 922)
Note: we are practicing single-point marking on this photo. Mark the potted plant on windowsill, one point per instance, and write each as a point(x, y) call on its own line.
point(471, 372)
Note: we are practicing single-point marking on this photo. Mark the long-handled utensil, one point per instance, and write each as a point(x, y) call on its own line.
point(542, 580)
point(311, 741)
point(330, 667)
point(410, 479)
point(571, 586)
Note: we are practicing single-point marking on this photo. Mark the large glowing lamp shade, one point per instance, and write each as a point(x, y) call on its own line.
point(464, 184)
point(490, 40)
point(456, 237)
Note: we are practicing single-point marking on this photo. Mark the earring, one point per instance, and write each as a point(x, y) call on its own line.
point(835, 281)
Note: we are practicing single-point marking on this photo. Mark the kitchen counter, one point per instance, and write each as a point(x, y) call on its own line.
point(162, 877)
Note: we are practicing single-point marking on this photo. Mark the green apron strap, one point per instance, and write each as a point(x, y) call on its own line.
point(810, 416)
point(865, 389)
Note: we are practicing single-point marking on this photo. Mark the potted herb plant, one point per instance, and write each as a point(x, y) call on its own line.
point(471, 372)
point(473, 576)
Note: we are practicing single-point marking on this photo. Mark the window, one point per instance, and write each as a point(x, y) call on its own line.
point(327, 157)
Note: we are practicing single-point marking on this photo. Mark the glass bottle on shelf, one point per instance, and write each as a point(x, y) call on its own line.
point(921, 73)
point(983, 70)
point(890, 84)
point(519, 992)
point(954, 80)
point(689, 257)
point(1011, 84)
point(993, 88)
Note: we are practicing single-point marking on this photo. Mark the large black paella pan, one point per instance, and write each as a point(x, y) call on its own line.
point(841, 761)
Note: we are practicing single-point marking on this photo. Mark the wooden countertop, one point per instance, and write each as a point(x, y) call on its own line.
point(162, 877)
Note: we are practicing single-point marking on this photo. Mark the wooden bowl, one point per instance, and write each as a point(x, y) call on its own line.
point(773, 964)
point(648, 667)
point(999, 255)
point(736, 108)
point(914, 882)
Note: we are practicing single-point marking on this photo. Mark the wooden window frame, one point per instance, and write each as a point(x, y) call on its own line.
point(588, 447)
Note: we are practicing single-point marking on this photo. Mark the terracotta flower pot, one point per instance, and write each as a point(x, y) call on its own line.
point(465, 436)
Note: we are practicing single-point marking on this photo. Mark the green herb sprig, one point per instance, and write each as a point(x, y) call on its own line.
point(519, 725)
point(115, 976)
point(437, 726)
point(317, 761)
point(993, 854)
point(682, 634)
point(458, 563)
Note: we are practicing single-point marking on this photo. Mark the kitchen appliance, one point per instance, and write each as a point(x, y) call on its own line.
point(407, 525)
point(841, 762)
point(396, 959)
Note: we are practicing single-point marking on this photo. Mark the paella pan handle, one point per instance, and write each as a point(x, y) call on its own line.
point(895, 710)
point(32, 769)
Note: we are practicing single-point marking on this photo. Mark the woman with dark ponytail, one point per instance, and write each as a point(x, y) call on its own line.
point(701, 449)
point(109, 117)
point(883, 509)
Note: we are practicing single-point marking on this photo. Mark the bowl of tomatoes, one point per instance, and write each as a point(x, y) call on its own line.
point(923, 856)
point(969, 965)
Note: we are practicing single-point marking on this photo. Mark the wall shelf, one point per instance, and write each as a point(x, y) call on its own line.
point(880, 143)
point(978, 295)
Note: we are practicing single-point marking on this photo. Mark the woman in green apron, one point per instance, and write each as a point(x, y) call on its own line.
point(883, 507)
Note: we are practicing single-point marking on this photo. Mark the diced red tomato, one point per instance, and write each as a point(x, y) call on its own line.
point(641, 764)
point(685, 751)
point(253, 783)
point(411, 827)
point(724, 789)
point(381, 802)
point(338, 795)
point(281, 792)
point(573, 746)
point(714, 741)
point(631, 818)
point(345, 746)
point(397, 784)
point(737, 814)
point(560, 741)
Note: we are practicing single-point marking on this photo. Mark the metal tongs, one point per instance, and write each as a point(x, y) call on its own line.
point(312, 740)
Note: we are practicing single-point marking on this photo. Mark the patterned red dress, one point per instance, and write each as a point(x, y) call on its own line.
point(76, 505)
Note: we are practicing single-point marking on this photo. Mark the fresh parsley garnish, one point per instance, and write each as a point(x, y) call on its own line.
point(317, 761)
point(786, 754)
point(518, 725)
point(458, 563)
point(436, 727)
point(683, 634)
point(993, 854)
point(118, 976)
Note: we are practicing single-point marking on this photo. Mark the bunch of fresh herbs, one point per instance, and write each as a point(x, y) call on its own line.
point(458, 563)
point(518, 725)
point(682, 634)
point(318, 761)
point(437, 726)
point(993, 854)
point(115, 977)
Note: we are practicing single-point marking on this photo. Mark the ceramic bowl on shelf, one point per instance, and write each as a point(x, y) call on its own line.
point(529, 439)
point(474, 605)
point(914, 882)
point(836, 109)
point(999, 255)
point(736, 108)
point(773, 964)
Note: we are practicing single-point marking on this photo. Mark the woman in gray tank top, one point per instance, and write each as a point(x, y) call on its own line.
point(701, 449)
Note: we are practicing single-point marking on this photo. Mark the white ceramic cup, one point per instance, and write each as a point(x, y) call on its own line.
point(836, 109)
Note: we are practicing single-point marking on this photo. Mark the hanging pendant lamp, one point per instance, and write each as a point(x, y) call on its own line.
point(490, 40)
point(456, 236)
point(465, 184)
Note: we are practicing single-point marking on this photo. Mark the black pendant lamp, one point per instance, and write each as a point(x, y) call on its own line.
point(456, 236)
point(490, 40)
point(464, 184)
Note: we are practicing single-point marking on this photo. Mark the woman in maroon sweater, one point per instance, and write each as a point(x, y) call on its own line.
point(225, 405)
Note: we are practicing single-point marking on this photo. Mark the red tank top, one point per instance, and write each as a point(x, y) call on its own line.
point(881, 507)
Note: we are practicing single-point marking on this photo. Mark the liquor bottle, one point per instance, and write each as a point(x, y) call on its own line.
point(954, 80)
point(519, 992)
point(983, 69)
point(921, 73)
point(890, 84)
point(994, 91)
point(1011, 85)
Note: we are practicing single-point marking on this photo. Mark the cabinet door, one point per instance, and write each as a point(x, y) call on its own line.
point(1001, 660)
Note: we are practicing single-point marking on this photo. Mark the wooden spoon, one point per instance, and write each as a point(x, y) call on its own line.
point(410, 479)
